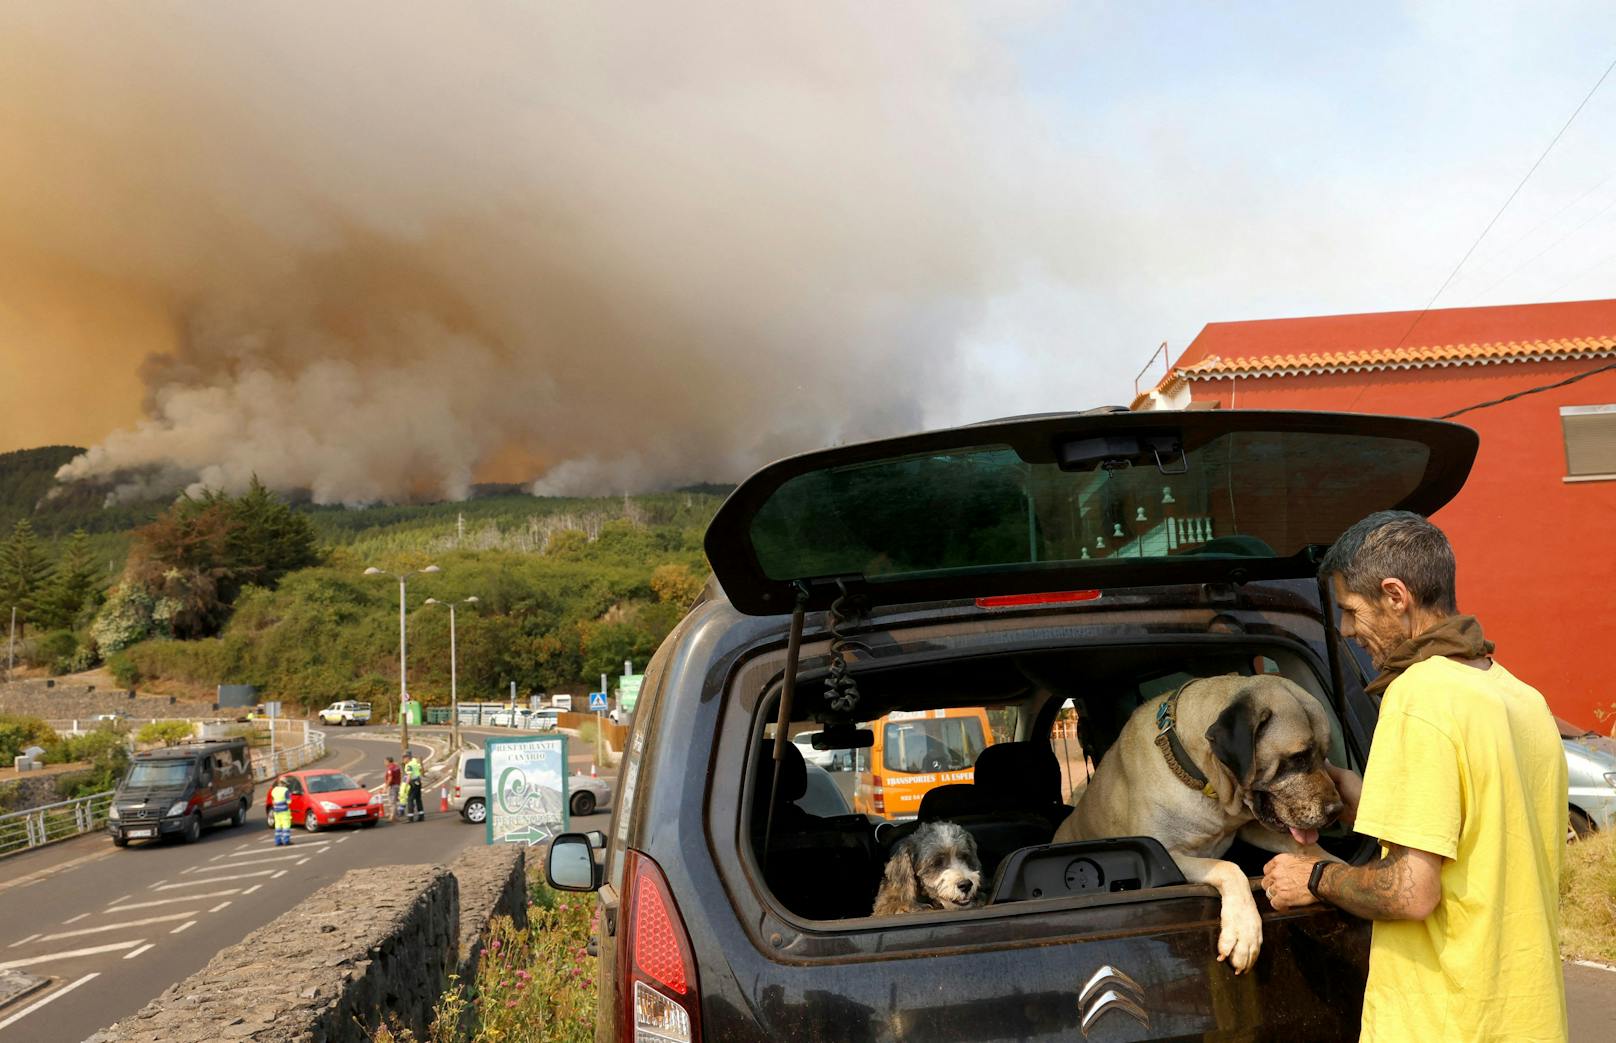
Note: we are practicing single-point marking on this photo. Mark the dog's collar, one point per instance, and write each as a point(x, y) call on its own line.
point(1178, 758)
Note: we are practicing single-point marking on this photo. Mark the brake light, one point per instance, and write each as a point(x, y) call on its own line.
point(1056, 597)
point(457, 792)
point(878, 795)
point(662, 1000)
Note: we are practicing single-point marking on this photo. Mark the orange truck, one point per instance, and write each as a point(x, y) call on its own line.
point(915, 752)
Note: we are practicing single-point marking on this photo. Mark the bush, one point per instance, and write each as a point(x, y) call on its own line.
point(104, 748)
point(45, 650)
point(19, 733)
point(169, 733)
point(123, 669)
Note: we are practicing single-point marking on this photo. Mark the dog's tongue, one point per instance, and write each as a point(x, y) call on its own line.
point(1304, 836)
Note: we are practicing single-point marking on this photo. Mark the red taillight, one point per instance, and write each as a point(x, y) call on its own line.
point(1057, 597)
point(660, 994)
point(878, 795)
point(457, 792)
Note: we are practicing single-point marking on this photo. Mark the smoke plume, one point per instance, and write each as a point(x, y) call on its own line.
point(383, 252)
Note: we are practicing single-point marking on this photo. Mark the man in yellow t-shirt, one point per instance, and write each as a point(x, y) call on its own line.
point(1466, 791)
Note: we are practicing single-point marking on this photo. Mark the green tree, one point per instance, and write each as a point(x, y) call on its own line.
point(25, 574)
point(169, 733)
point(267, 538)
point(75, 590)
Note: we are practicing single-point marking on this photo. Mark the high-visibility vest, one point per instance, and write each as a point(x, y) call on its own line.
point(412, 768)
point(280, 799)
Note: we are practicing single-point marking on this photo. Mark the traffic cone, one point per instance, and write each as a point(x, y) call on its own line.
point(443, 798)
point(592, 770)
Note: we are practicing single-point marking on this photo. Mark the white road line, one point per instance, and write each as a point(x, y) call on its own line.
point(221, 905)
point(277, 876)
point(160, 882)
point(131, 954)
point(304, 860)
point(125, 898)
point(171, 901)
point(113, 926)
point(209, 880)
point(260, 861)
point(260, 850)
point(341, 839)
point(69, 954)
point(75, 919)
point(183, 926)
point(25, 941)
point(250, 890)
point(189, 869)
point(53, 997)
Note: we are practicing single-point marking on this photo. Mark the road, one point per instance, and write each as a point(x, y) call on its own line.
point(113, 928)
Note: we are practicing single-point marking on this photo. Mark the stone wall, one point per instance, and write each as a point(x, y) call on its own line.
point(320, 974)
point(63, 702)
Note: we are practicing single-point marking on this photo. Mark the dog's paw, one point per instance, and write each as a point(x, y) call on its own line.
point(1240, 939)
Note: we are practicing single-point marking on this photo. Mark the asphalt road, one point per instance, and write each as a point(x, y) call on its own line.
point(111, 928)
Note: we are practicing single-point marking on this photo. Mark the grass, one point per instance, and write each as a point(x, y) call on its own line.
point(1588, 899)
point(533, 984)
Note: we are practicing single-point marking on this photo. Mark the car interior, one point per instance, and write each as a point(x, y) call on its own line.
point(1026, 780)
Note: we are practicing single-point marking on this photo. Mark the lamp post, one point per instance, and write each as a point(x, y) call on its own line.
point(454, 692)
point(403, 688)
point(11, 645)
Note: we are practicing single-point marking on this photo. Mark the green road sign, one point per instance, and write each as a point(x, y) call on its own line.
point(628, 691)
point(527, 789)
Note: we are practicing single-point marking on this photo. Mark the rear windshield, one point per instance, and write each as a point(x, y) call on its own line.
point(474, 768)
point(1240, 494)
point(931, 744)
point(146, 774)
point(331, 783)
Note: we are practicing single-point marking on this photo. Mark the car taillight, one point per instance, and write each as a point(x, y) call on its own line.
point(1056, 597)
point(457, 792)
point(661, 995)
point(878, 796)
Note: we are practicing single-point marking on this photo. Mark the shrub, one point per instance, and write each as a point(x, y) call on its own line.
point(19, 733)
point(169, 733)
point(104, 748)
point(123, 669)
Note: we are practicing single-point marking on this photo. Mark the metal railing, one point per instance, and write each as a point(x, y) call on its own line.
point(22, 830)
point(266, 767)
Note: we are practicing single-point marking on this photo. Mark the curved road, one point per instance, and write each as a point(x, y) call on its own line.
point(113, 928)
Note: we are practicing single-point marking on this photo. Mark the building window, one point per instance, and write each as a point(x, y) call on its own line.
point(1590, 442)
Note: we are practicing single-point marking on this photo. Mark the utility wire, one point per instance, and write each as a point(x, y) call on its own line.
point(1530, 391)
point(1507, 202)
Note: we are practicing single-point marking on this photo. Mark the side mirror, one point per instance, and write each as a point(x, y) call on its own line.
point(597, 839)
point(570, 865)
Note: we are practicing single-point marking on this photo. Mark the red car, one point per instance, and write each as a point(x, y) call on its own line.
point(323, 797)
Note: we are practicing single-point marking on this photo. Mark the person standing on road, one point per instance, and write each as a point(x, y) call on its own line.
point(1466, 791)
point(393, 777)
point(412, 772)
point(280, 805)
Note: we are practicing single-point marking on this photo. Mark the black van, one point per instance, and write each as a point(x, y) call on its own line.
point(1101, 558)
point(178, 790)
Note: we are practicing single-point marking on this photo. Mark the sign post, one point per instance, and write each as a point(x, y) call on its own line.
point(527, 789)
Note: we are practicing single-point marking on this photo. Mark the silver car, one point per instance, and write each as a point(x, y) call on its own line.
point(470, 793)
point(1592, 776)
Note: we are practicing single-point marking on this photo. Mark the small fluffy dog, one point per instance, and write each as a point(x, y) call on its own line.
point(933, 868)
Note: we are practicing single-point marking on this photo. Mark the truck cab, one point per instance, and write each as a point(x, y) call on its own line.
point(180, 790)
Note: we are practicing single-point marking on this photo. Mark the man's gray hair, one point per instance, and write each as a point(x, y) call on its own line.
point(1396, 545)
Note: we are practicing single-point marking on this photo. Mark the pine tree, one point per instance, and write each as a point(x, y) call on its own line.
point(75, 589)
point(25, 575)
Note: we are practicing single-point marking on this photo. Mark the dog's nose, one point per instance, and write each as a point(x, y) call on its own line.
point(965, 888)
point(1332, 810)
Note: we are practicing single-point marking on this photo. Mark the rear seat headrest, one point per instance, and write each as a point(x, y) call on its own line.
point(793, 773)
point(1019, 773)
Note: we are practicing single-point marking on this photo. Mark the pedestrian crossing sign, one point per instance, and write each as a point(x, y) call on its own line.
point(597, 702)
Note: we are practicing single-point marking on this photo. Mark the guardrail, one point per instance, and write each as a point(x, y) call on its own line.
point(291, 758)
point(35, 827)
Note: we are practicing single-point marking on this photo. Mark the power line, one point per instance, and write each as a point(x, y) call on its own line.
point(1507, 202)
point(1530, 391)
point(1503, 252)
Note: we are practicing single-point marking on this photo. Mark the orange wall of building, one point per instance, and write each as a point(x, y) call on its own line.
point(1537, 555)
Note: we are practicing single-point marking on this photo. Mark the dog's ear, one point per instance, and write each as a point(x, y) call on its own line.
point(1233, 736)
point(900, 888)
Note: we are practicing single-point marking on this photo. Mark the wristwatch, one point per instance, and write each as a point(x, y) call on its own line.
point(1314, 878)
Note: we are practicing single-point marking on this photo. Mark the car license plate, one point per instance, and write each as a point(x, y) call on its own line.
point(137, 833)
point(355, 812)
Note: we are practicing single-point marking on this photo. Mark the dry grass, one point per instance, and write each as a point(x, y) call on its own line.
point(1588, 899)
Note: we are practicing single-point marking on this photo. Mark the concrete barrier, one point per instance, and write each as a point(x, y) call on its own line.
point(319, 973)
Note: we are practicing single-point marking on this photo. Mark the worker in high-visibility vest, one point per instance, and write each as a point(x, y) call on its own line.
point(280, 804)
point(416, 812)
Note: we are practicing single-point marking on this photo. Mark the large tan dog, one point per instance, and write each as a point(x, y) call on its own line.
point(1224, 757)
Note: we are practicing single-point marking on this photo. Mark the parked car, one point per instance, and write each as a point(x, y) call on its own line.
point(345, 713)
point(543, 720)
point(322, 797)
point(470, 793)
point(1591, 773)
point(179, 790)
point(804, 742)
point(1104, 558)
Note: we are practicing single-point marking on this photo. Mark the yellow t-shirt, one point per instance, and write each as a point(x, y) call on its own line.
point(1467, 764)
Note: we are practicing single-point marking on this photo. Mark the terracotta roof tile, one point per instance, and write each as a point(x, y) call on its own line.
point(1216, 366)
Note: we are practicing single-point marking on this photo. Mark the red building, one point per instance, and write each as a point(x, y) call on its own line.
point(1535, 527)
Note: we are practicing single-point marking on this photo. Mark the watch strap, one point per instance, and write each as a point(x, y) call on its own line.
point(1314, 878)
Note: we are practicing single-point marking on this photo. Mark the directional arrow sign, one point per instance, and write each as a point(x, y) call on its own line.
point(528, 835)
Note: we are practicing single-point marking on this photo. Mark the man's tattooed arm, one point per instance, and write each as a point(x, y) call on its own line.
point(1404, 885)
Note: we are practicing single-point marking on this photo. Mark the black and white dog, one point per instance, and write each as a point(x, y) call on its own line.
point(935, 868)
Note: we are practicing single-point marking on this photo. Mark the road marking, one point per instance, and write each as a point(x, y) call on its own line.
point(183, 926)
point(76, 919)
point(189, 869)
point(69, 954)
point(131, 954)
point(260, 849)
point(304, 860)
point(1594, 964)
point(221, 905)
point(53, 997)
point(277, 876)
point(260, 861)
point(171, 901)
point(209, 880)
point(114, 926)
point(250, 890)
point(55, 871)
point(125, 898)
point(25, 941)
point(341, 839)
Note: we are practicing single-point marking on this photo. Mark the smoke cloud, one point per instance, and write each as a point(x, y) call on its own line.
point(383, 252)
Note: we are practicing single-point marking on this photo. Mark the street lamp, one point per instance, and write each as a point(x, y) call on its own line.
point(454, 694)
point(403, 689)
